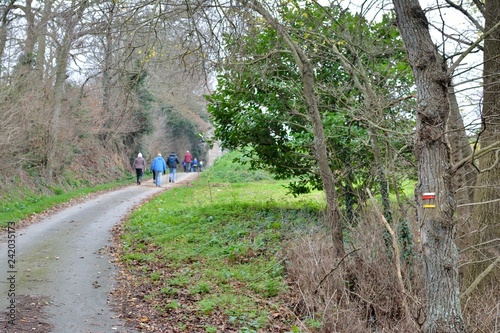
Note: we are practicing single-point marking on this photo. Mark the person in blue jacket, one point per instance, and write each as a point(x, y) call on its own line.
point(194, 165)
point(158, 167)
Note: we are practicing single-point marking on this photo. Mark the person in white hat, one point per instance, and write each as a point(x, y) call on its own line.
point(140, 167)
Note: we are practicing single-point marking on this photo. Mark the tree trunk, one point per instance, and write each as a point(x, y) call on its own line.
point(42, 43)
point(464, 180)
point(487, 210)
point(24, 69)
point(320, 147)
point(61, 68)
point(4, 23)
point(381, 175)
point(30, 41)
point(108, 42)
point(437, 225)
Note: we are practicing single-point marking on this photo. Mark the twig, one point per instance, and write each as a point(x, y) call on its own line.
point(478, 203)
point(478, 280)
point(472, 46)
point(475, 246)
point(210, 189)
point(333, 269)
point(396, 255)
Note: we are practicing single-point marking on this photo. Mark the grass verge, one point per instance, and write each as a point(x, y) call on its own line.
point(25, 203)
point(208, 257)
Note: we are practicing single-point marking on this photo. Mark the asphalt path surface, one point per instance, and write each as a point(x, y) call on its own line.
point(63, 259)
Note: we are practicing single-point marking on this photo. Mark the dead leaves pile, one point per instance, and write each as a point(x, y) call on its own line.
point(30, 316)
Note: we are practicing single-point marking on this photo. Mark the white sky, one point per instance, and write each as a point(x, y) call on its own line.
point(455, 24)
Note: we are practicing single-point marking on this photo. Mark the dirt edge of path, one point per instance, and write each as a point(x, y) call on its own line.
point(29, 316)
point(122, 297)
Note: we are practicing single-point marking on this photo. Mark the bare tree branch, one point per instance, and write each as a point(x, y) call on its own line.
point(397, 259)
point(472, 47)
point(475, 155)
point(461, 9)
point(478, 280)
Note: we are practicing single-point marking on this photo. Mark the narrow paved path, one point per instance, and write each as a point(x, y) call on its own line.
point(63, 259)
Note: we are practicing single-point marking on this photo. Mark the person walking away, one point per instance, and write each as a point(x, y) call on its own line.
point(140, 167)
point(158, 167)
point(172, 162)
point(194, 165)
point(188, 158)
point(200, 167)
point(184, 165)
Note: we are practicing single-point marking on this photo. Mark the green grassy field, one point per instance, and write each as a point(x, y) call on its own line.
point(215, 248)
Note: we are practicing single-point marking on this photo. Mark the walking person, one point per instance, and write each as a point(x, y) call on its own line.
point(188, 159)
point(194, 165)
point(158, 167)
point(140, 167)
point(172, 162)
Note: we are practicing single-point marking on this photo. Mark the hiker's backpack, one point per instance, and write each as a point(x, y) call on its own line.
point(171, 160)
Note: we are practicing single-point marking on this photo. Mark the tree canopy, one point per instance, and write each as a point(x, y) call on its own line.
point(258, 104)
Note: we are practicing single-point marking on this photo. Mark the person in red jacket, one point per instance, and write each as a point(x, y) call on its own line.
point(188, 159)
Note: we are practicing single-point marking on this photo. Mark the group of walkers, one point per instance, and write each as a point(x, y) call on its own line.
point(191, 164)
point(159, 166)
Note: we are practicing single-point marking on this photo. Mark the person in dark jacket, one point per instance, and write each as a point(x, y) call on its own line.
point(139, 166)
point(159, 167)
point(172, 162)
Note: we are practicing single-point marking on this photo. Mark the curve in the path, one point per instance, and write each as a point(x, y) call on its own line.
point(63, 258)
